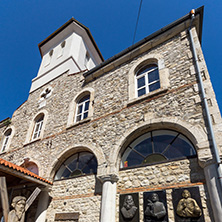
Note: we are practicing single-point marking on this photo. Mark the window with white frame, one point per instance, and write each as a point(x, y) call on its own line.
point(147, 80)
point(38, 127)
point(5, 143)
point(82, 109)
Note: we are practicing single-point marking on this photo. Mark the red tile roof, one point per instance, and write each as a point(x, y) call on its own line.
point(22, 170)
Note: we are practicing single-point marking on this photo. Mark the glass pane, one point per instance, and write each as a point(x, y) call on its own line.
point(180, 148)
point(144, 147)
point(72, 165)
point(84, 99)
point(83, 159)
point(86, 106)
point(153, 76)
point(154, 86)
point(78, 118)
point(37, 127)
point(66, 173)
point(85, 115)
point(133, 159)
point(92, 165)
point(141, 92)
point(146, 69)
point(8, 132)
point(141, 82)
point(161, 141)
point(79, 109)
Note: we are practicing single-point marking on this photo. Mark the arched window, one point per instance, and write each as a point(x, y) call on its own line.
point(157, 146)
point(82, 109)
point(147, 79)
point(38, 126)
point(5, 143)
point(79, 164)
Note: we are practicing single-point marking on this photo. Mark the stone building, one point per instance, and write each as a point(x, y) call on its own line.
point(134, 138)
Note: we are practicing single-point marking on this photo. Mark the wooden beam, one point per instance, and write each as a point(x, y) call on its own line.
point(4, 198)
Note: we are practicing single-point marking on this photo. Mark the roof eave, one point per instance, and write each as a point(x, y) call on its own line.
point(198, 11)
point(63, 27)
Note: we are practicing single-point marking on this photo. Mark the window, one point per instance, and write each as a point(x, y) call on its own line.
point(7, 135)
point(79, 164)
point(82, 108)
point(147, 79)
point(38, 127)
point(157, 146)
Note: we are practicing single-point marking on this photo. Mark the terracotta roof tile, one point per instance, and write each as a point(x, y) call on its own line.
point(22, 170)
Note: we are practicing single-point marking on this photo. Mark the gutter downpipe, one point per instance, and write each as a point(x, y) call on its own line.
point(213, 171)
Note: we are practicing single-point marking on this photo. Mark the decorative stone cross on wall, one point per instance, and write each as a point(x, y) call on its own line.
point(45, 93)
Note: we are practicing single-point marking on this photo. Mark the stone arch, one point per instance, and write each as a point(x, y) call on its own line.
point(195, 133)
point(78, 148)
point(73, 105)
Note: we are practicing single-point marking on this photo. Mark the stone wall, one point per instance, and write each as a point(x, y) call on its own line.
point(113, 117)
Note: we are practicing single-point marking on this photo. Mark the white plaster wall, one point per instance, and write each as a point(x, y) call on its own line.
point(54, 73)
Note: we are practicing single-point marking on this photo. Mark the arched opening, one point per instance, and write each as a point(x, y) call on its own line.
point(156, 146)
point(79, 164)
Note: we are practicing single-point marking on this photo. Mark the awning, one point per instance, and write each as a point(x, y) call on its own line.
point(16, 175)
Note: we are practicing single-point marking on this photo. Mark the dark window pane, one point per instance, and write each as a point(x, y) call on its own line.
point(84, 99)
point(153, 76)
point(141, 92)
point(144, 147)
point(86, 106)
point(146, 69)
point(141, 82)
point(154, 86)
point(78, 118)
point(79, 109)
point(134, 159)
point(66, 173)
point(83, 159)
point(161, 142)
point(85, 115)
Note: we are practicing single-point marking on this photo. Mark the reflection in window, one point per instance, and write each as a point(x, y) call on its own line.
point(6, 139)
point(82, 109)
point(157, 146)
point(79, 164)
point(38, 127)
point(147, 80)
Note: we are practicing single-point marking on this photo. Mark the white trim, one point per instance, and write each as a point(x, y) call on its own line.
point(5, 144)
point(144, 61)
point(32, 125)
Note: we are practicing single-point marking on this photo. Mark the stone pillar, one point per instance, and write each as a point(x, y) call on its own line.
point(213, 187)
point(108, 205)
point(42, 206)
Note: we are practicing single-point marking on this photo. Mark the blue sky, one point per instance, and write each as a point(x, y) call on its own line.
point(25, 23)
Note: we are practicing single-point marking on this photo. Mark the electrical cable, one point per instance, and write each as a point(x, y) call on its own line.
point(137, 21)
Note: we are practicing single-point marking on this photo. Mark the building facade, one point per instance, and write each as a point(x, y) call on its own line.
point(126, 139)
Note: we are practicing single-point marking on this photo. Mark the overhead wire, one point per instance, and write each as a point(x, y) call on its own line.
point(137, 21)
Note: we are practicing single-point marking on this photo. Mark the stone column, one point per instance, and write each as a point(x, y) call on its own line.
point(213, 187)
point(43, 203)
point(108, 205)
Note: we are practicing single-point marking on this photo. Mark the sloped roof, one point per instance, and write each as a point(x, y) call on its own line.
point(11, 169)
